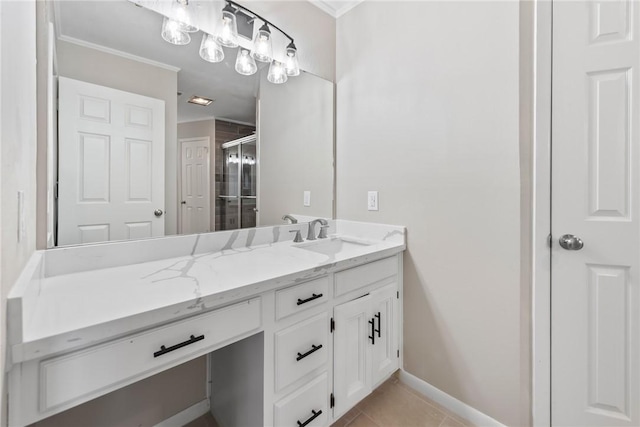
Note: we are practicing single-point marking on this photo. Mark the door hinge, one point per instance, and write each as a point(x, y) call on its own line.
point(398, 294)
point(55, 191)
point(398, 354)
point(550, 240)
point(333, 325)
point(332, 401)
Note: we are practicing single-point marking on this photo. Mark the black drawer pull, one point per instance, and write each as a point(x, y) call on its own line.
point(165, 350)
point(379, 327)
point(315, 415)
point(314, 348)
point(372, 337)
point(314, 296)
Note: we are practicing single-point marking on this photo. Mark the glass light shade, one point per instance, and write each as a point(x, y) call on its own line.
point(173, 33)
point(277, 73)
point(228, 34)
point(262, 50)
point(245, 64)
point(291, 63)
point(183, 14)
point(210, 50)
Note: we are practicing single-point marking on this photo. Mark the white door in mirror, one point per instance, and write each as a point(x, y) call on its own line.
point(111, 176)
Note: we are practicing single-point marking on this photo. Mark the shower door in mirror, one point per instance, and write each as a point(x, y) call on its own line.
point(111, 182)
point(238, 189)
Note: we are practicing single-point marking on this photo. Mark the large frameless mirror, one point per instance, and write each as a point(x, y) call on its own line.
point(130, 157)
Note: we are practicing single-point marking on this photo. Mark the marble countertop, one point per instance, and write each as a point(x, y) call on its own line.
point(62, 310)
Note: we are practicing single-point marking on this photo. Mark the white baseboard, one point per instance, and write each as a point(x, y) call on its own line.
point(459, 408)
point(186, 416)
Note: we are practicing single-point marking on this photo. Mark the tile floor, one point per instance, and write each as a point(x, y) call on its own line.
point(393, 404)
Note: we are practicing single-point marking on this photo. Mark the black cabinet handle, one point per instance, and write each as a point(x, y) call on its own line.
point(311, 298)
point(165, 350)
point(315, 415)
point(379, 327)
point(314, 348)
point(372, 337)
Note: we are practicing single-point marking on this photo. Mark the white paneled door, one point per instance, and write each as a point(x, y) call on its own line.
point(595, 300)
point(111, 164)
point(195, 196)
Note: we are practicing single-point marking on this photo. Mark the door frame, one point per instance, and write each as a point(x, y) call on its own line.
point(541, 211)
point(180, 142)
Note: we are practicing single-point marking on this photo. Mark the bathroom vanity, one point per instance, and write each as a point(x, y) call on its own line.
point(297, 333)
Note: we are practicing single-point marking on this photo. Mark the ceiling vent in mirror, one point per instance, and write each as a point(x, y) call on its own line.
point(200, 100)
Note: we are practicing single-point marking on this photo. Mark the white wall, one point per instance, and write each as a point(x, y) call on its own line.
point(17, 151)
point(427, 114)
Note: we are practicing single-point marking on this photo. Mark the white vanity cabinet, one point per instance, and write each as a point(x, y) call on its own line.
point(298, 351)
point(366, 348)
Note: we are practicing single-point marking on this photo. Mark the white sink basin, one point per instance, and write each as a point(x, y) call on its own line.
point(333, 245)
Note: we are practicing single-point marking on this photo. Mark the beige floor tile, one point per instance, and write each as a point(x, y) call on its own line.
point(451, 422)
point(347, 418)
point(206, 420)
point(454, 417)
point(362, 420)
point(392, 405)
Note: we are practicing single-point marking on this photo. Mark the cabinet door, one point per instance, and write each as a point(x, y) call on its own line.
point(384, 352)
point(352, 366)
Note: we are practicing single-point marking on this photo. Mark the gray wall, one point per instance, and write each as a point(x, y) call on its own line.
point(429, 118)
point(295, 135)
point(17, 153)
point(81, 63)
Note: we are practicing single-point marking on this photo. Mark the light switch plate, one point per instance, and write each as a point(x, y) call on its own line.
point(372, 201)
point(307, 198)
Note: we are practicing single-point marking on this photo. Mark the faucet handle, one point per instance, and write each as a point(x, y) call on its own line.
point(298, 237)
point(323, 231)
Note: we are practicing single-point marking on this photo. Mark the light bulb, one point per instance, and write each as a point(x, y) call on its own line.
point(173, 33)
point(181, 13)
point(277, 73)
point(228, 34)
point(262, 50)
point(245, 64)
point(291, 63)
point(210, 50)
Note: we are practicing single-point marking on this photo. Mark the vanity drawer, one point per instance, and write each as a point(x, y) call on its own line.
point(300, 349)
point(359, 277)
point(85, 374)
point(300, 297)
point(308, 403)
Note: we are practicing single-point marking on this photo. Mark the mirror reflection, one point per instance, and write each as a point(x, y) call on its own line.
point(136, 159)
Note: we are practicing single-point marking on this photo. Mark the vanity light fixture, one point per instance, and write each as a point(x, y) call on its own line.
point(176, 29)
point(262, 46)
point(210, 49)
point(262, 49)
point(291, 63)
point(173, 33)
point(200, 100)
point(277, 73)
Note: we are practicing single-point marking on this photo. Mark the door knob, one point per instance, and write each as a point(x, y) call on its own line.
point(571, 242)
point(184, 202)
point(158, 212)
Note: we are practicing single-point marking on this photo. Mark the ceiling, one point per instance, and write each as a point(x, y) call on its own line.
point(131, 30)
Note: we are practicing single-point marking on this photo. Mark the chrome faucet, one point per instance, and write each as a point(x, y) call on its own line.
point(311, 235)
point(291, 219)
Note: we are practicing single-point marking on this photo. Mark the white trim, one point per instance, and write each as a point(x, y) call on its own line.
point(117, 53)
point(186, 416)
point(203, 119)
point(454, 405)
point(541, 292)
point(332, 10)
